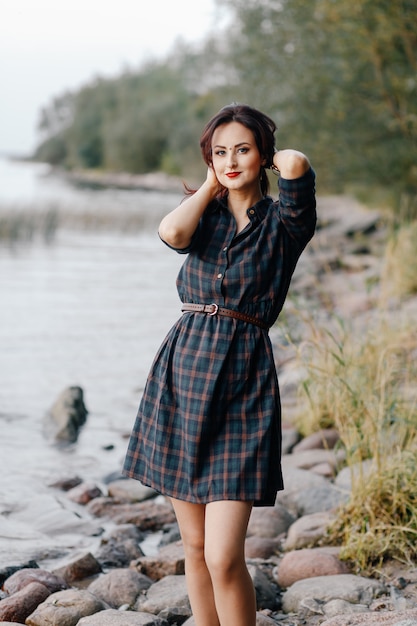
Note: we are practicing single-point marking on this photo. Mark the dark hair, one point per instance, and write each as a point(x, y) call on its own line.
point(262, 126)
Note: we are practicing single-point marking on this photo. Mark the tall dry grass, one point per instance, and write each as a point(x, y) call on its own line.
point(362, 381)
point(361, 378)
point(400, 270)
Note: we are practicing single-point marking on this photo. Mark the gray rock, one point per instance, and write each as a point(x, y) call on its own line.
point(119, 546)
point(122, 532)
point(341, 219)
point(175, 615)
point(290, 437)
point(67, 483)
point(342, 607)
point(306, 530)
point(120, 587)
point(170, 560)
point(112, 617)
point(170, 591)
point(261, 547)
point(147, 516)
point(322, 439)
point(170, 534)
point(66, 608)
point(66, 416)
point(83, 493)
point(25, 576)
point(320, 499)
point(354, 589)
point(387, 618)
point(21, 604)
point(264, 620)
point(307, 458)
point(79, 567)
point(345, 476)
point(301, 564)
point(324, 469)
point(269, 522)
point(129, 490)
point(266, 593)
point(295, 481)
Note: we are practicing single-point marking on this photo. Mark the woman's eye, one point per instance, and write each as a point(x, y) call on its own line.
point(243, 150)
point(220, 152)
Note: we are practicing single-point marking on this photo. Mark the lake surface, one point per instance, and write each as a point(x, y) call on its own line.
point(89, 308)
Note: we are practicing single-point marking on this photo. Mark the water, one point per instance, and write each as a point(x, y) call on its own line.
point(89, 309)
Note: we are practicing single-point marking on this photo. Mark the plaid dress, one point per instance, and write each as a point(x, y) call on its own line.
point(209, 422)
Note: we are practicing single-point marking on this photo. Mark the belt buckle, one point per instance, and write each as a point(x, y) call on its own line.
point(216, 308)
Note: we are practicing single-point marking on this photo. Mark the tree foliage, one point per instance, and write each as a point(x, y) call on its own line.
point(338, 76)
point(139, 122)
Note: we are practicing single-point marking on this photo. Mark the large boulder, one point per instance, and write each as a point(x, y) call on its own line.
point(120, 587)
point(66, 416)
point(113, 617)
point(66, 608)
point(28, 575)
point(79, 567)
point(353, 589)
point(169, 592)
point(170, 560)
point(307, 530)
point(269, 522)
point(300, 564)
point(20, 605)
point(119, 546)
point(388, 618)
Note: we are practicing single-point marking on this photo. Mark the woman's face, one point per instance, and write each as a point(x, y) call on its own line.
point(236, 158)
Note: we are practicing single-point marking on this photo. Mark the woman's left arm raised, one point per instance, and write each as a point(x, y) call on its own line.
point(291, 163)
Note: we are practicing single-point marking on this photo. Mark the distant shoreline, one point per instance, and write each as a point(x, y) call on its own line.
point(151, 181)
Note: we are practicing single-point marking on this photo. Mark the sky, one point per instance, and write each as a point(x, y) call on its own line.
point(49, 46)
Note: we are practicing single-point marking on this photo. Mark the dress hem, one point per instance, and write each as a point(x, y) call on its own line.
point(266, 501)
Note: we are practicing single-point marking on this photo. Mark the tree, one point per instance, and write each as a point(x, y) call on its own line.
point(340, 79)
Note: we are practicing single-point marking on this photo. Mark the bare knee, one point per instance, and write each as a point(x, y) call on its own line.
point(222, 564)
point(194, 548)
point(191, 523)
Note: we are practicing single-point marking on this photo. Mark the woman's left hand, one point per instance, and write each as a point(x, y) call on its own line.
point(291, 163)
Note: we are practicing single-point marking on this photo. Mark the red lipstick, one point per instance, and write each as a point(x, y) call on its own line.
point(232, 174)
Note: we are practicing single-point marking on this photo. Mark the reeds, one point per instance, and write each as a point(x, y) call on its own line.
point(27, 224)
point(400, 272)
point(22, 225)
point(380, 520)
point(362, 381)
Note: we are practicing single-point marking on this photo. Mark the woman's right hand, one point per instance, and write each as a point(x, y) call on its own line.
point(178, 227)
point(212, 182)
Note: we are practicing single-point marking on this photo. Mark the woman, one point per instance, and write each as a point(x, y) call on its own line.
point(208, 430)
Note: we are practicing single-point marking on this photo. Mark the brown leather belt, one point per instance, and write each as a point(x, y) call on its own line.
point(215, 309)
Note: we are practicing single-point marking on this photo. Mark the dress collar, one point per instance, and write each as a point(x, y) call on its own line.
point(259, 209)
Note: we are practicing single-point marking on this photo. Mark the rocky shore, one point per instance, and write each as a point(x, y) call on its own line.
point(123, 180)
point(129, 568)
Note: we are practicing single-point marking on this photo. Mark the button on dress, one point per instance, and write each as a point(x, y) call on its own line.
point(209, 422)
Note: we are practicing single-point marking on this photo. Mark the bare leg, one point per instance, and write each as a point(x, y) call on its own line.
point(191, 520)
point(225, 531)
